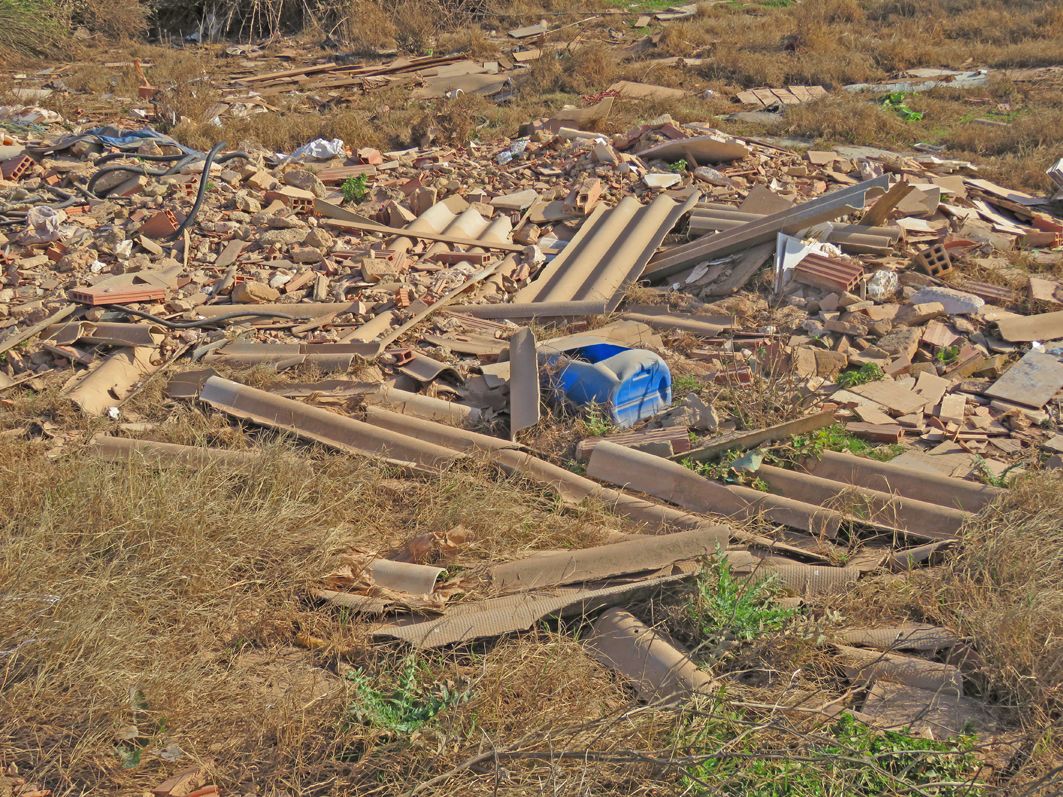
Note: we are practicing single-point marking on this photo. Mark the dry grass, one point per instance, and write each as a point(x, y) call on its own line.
point(1002, 589)
point(849, 119)
point(171, 599)
point(29, 28)
point(829, 42)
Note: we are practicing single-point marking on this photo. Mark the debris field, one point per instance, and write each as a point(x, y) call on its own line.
point(802, 368)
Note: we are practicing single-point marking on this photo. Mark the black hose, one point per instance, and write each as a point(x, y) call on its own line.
point(206, 322)
point(90, 187)
point(190, 156)
point(113, 156)
point(200, 194)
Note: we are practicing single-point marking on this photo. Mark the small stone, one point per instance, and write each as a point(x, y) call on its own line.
point(251, 292)
point(247, 203)
point(306, 180)
point(318, 238)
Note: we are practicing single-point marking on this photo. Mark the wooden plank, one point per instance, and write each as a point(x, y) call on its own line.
point(878, 212)
point(745, 440)
point(16, 338)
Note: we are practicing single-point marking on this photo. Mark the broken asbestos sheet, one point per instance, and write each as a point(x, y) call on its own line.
point(313, 423)
point(493, 617)
point(123, 449)
point(701, 149)
point(658, 669)
point(106, 385)
point(620, 558)
point(607, 255)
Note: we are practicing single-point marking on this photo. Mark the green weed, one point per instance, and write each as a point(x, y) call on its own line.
point(849, 759)
point(868, 372)
point(576, 467)
point(987, 476)
point(724, 607)
point(403, 708)
point(355, 189)
point(596, 423)
point(895, 102)
point(947, 354)
point(835, 438)
point(643, 5)
point(724, 470)
point(684, 384)
point(678, 166)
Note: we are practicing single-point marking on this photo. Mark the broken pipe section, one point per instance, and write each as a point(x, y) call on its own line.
point(657, 669)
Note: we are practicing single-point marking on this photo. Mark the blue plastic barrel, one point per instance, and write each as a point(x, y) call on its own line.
point(629, 384)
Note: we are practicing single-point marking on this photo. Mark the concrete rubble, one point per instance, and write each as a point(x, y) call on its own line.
point(878, 290)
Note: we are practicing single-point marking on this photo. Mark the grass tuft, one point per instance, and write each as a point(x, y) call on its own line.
point(835, 438)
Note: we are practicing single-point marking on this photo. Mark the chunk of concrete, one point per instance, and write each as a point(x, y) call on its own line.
point(954, 302)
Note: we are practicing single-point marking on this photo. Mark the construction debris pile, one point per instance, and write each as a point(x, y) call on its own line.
point(435, 305)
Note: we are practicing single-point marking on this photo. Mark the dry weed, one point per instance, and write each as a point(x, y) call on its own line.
point(367, 27)
point(1004, 588)
point(146, 610)
point(846, 118)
